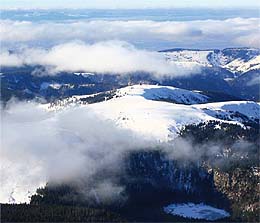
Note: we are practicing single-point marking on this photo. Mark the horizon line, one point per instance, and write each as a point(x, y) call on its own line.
point(134, 8)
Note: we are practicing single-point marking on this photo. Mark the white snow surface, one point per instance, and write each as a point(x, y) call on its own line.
point(151, 119)
point(163, 120)
point(201, 58)
point(46, 85)
point(248, 108)
point(239, 65)
point(196, 211)
point(139, 109)
point(156, 92)
point(189, 56)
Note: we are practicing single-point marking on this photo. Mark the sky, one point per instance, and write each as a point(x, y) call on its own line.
point(126, 4)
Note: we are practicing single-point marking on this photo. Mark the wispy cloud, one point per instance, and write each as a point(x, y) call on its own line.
point(38, 146)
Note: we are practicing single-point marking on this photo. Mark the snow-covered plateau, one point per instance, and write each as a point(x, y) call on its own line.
point(145, 110)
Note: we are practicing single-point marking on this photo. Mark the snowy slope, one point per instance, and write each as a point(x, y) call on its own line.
point(154, 92)
point(190, 56)
point(162, 120)
point(145, 110)
point(151, 119)
point(239, 65)
point(235, 60)
point(150, 92)
point(247, 108)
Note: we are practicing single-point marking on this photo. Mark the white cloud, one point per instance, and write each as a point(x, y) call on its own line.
point(38, 146)
point(115, 57)
point(251, 40)
point(8, 59)
point(152, 34)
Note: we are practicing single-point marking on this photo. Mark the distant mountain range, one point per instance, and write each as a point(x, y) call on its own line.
point(235, 60)
point(229, 73)
point(233, 70)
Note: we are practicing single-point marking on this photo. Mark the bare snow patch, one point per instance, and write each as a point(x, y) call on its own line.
point(196, 211)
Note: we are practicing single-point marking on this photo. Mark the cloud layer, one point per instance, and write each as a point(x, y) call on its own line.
point(149, 34)
point(76, 146)
point(113, 57)
point(118, 47)
point(39, 146)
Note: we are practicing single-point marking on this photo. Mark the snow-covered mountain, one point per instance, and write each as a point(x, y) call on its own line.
point(237, 61)
point(150, 111)
point(161, 112)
